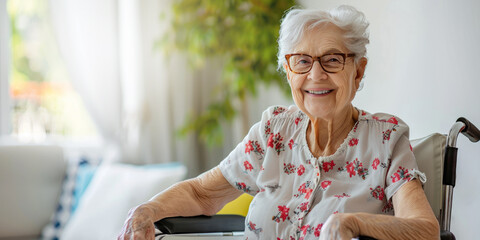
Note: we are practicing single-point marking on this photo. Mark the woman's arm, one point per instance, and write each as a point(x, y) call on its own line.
point(203, 195)
point(414, 219)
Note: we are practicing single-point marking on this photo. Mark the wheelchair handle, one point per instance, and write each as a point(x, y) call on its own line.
point(462, 125)
point(470, 130)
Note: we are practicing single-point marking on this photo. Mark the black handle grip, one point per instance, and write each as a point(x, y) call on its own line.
point(470, 131)
point(450, 166)
point(201, 224)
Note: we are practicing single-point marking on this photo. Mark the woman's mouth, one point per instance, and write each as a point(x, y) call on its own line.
point(319, 92)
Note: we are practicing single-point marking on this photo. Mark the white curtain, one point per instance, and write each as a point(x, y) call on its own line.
point(4, 69)
point(137, 97)
point(86, 32)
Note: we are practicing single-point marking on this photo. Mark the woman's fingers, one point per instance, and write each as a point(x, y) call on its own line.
point(138, 226)
point(337, 227)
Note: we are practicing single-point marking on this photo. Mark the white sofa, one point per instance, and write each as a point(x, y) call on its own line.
point(34, 187)
point(31, 179)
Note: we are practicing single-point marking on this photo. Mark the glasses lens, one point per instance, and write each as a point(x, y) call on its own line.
point(332, 62)
point(300, 63)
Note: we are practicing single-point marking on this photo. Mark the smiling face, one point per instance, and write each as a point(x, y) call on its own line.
point(320, 94)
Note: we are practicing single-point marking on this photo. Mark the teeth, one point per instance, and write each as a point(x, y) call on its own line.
point(319, 92)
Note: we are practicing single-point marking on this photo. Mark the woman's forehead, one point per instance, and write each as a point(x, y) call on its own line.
point(321, 39)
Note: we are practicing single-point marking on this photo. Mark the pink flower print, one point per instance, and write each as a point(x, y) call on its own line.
point(304, 229)
point(289, 168)
point(301, 170)
point(401, 174)
point(290, 144)
point(297, 120)
point(393, 120)
point(248, 166)
point(253, 227)
point(355, 127)
point(364, 113)
point(375, 118)
point(327, 166)
point(284, 210)
point(355, 167)
point(304, 189)
point(270, 141)
point(275, 142)
point(278, 110)
point(242, 186)
point(375, 163)
point(353, 142)
point(325, 184)
point(282, 214)
point(341, 196)
point(249, 147)
point(308, 193)
point(335, 212)
point(395, 177)
point(318, 229)
point(267, 129)
point(304, 206)
point(351, 169)
point(388, 207)
point(378, 193)
point(411, 148)
point(386, 135)
point(255, 147)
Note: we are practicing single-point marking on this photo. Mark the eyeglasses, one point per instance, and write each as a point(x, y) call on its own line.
point(303, 63)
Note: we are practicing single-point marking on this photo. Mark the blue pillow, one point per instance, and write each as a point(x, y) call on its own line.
point(69, 197)
point(85, 174)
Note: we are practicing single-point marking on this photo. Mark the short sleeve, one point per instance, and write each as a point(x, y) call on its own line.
point(403, 165)
point(243, 165)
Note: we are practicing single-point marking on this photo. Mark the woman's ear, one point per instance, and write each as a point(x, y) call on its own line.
point(285, 66)
point(361, 65)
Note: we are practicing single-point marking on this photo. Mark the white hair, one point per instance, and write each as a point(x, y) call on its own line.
point(297, 21)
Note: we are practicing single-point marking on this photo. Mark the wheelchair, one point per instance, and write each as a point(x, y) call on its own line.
point(436, 156)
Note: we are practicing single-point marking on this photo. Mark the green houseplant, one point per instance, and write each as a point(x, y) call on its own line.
point(243, 34)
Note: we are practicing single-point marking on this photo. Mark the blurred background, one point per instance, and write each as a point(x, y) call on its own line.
point(159, 81)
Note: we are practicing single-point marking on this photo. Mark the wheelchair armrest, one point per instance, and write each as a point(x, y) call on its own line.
point(201, 224)
point(446, 235)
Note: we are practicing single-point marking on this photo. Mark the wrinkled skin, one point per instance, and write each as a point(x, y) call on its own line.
point(139, 224)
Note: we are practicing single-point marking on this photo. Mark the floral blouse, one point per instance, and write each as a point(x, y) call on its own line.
point(295, 192)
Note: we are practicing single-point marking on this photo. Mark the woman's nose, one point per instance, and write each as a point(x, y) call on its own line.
point(317, 72)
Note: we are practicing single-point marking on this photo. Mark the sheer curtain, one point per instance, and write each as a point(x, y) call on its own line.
point(4, 69)
point(136, 96)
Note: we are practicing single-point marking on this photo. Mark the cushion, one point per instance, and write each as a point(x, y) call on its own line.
point(30, 183)
point(238, 206)
point(429, 153)
point(77, 161)
point(115, 189)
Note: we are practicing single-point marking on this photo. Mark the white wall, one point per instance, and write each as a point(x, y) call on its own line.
point(423, 66)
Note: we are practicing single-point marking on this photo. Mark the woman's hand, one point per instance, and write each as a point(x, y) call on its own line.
point(139, 224)
point(340, 226)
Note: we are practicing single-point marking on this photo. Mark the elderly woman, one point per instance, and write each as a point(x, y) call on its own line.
point(319, 169)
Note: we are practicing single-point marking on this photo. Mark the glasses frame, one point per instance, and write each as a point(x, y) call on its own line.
point(344, 55)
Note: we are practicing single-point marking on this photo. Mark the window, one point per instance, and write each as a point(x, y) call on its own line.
point(44, 104)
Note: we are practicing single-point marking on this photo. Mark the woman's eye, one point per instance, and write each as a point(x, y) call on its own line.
point(333, 60)
point(303, 61)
